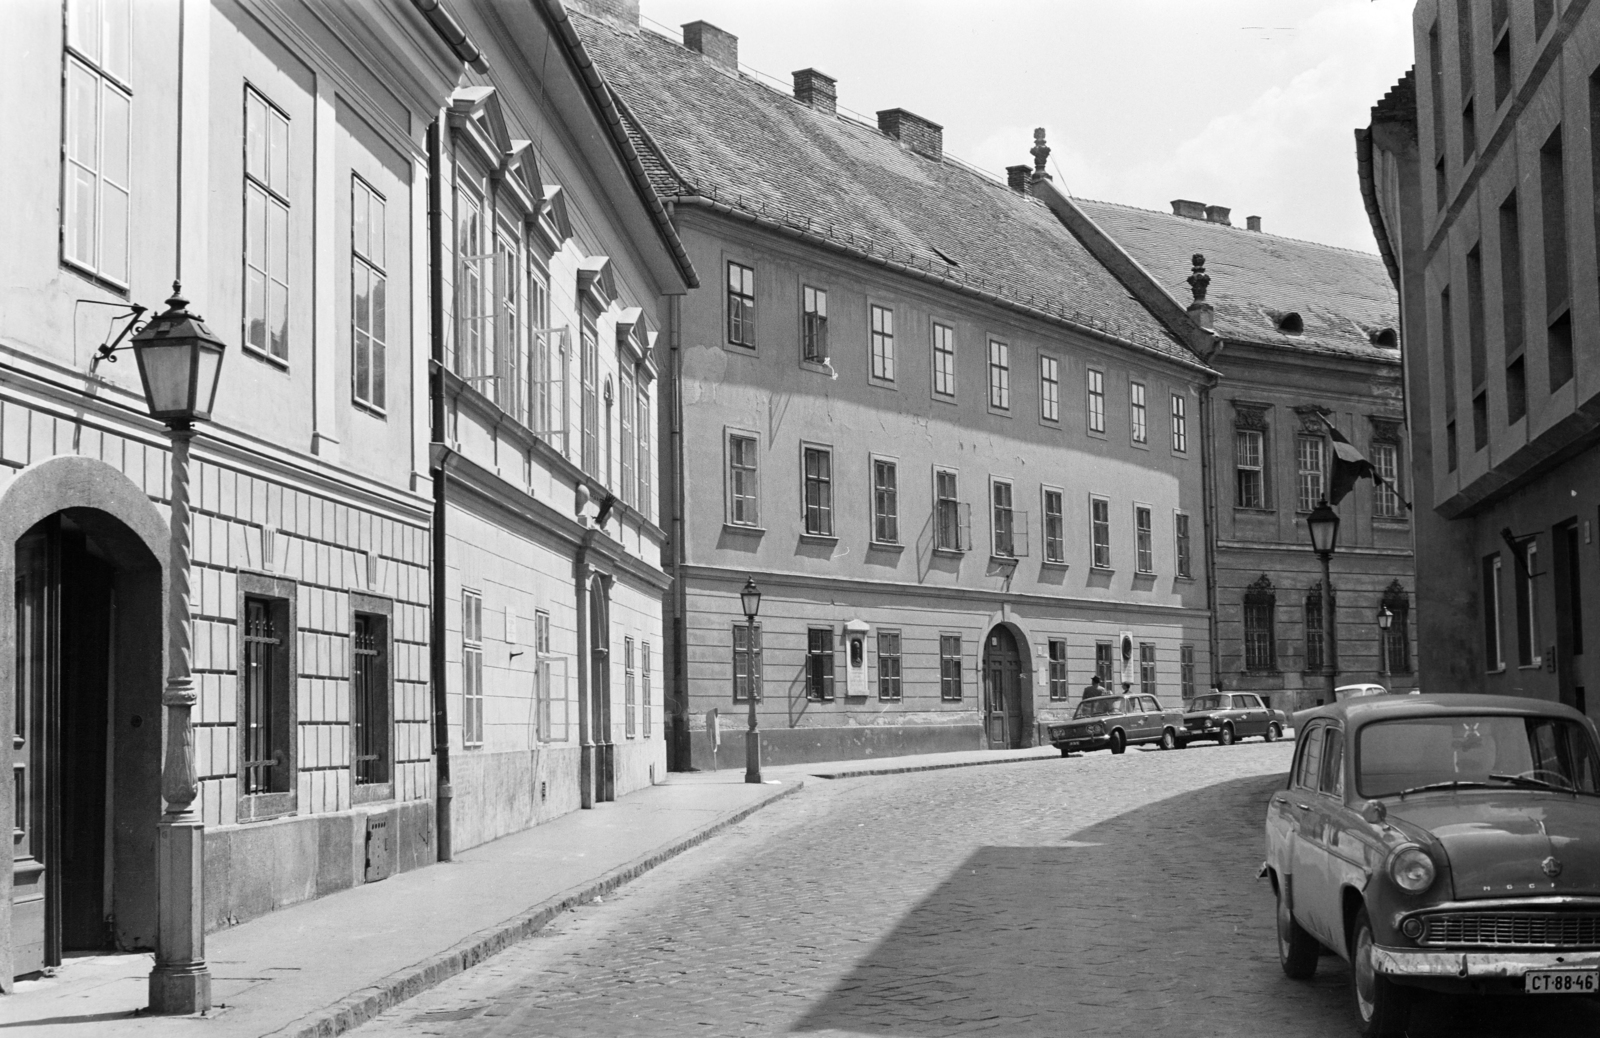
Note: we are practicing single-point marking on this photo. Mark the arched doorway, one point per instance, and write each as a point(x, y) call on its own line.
point(1002, 689)
point(86, 746)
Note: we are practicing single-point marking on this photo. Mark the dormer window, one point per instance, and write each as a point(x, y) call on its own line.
point(1290, 323)
point(1386, 338)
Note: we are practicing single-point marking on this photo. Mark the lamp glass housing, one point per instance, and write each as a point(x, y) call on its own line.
point(1323, 524)
point(179, 363)
point(1385, 618)
point(750, 598)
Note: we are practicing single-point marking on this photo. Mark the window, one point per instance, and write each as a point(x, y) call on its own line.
point(741, 305)
point(1511, 275)
point(1527, 616)
point(630, 691)
point(1004, 525)
point(1059, 692)
point(944, 360)
point(1502, 69)
point(952, 527)
point(1395, 642)
point(543, 690)
point(97, 129)
point(504, 349)
point(814, 325)
point(1147, 668)
point(882, 343)
point(1104, 662)
point(266, 227)
point(1316, 632)
point(1180, 526)
point(589, 376)
point(471, 668)
point(642, 428)
point(1553, 210)
point(1260, 644)
point(818, 491)
point(1469, 132)
point(1494, 657)
point(627, 406)
point(889, 666)
point(266, 720)
point(1309, 458)
point(950, 668)
point(999, 375)
point(370, 723)
point(540, 337)
point(744, 501)
point(1186, 671)
point(1055, 547)
point(1558, 350)
point(1249, 491)
point(819, 664)
point(646, 695)
point(1450, 450)
point(1386, 495)
point(1144, 539)
point(1308, 769)
point(1180, 423)
point(1136, 412)
point(1542, 10)
point(1097, 401)
point(1049, 388)
point(1477, 337)
point(885, 502)
point(1100, 532)
point(748, 666)
point(368, 295)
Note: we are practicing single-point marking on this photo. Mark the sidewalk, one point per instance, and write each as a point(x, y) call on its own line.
point(322, 967)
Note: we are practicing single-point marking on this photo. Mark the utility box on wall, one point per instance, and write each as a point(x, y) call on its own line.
point(377, 847)
point(855, 658)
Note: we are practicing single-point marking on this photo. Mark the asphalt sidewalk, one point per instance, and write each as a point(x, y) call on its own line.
point(322, 967)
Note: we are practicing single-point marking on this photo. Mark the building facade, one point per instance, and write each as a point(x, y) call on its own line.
point(1307, 336)
point(1479, 173)
point(954, 454)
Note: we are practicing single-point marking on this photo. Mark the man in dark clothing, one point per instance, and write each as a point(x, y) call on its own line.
point(1093, 688)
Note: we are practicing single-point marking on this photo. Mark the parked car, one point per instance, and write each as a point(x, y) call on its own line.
point(1118, 721)
point(1344, 692)
point(1444, 842)
point(1229, 716)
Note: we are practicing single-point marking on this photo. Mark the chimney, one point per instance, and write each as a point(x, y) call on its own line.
point(1017, 178)
point(1192, 210)
point(624, 14)
point(1253, 223)
point(921, 136)
point(1219, 214)
point(817, 90)
point(721, 47)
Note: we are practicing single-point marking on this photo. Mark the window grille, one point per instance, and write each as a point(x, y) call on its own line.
point(1260, 646)
point(262, 753)
point(369, 698)
point(1316, 632)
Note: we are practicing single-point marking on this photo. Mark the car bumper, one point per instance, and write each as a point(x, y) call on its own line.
point(1086, 742)
point(1407, 962)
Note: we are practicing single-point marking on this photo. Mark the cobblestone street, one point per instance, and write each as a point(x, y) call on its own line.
point(1094, 895)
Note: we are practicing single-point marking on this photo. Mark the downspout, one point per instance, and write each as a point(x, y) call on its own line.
point(680, 687)
point(436, 637)
point(588, 767)
point(1208, 498)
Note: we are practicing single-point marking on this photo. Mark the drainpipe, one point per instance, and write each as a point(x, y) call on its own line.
point(680, 688)
point(588, 763)
point(437, 671)
point(1208, 498)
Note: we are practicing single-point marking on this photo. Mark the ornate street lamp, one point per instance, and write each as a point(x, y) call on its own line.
point(750, 598)
point(1385, 621)
point(179, 361)
point(1323, 522)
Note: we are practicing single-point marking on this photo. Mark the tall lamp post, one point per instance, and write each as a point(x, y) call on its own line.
point(750, 598)
point(1385, 621)
point(179, 361)
point(1323, 522)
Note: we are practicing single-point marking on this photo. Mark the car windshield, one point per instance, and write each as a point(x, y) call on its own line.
point(1206, 703)
point(1406, 754)
point(1099, 707)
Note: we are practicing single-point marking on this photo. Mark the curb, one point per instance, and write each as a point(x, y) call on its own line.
point(907, 769)
point(358, 1007)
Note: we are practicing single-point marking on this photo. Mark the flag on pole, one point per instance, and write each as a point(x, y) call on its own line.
point(1349, 465)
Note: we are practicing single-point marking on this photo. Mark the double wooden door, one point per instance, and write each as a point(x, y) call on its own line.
point(1002, 687)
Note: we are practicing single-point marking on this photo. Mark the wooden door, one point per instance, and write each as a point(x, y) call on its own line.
point(1002, 689)
point(37, 600)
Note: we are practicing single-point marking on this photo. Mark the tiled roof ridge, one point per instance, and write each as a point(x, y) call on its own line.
point(1229, 227)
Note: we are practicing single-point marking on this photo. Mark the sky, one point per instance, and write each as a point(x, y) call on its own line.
point(1249, 104)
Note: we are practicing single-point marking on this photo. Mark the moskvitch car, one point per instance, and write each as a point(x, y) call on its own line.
point(1446, 842)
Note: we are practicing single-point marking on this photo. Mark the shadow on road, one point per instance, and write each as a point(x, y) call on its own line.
point(1151, 921)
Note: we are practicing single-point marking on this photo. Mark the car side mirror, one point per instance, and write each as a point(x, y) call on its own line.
point(1374, 812)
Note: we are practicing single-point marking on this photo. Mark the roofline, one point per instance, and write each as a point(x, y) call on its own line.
point(944, 281)
point(600, 97)
point(1369, 199)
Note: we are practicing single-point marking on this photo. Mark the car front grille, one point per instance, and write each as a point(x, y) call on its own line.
point(1525, 929)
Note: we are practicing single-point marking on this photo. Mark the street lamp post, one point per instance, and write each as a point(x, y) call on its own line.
point(1385, 621)
point(179, 361)
point(750, 598)
point(1323, 523)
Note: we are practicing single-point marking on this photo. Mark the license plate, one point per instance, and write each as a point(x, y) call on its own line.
point(1561, 982)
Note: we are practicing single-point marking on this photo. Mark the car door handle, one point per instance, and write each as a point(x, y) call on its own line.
point(1303, 807)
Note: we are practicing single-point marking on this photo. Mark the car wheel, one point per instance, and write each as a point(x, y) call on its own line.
point(1168, 740)
point(1273, 731)
point(1297, 949)
point(1382, 1006)
point(1118, 742)
point(1226, 738)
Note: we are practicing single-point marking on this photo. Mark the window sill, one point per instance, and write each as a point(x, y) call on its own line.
point(1005, 560)
point(1391, 520)
point(882, 383)
point(818, 367)
point(1186, 579)
point(277, 362)
point(369, 410)
point(755, 531)
point(1000, 412)
point(818, 538)
point(884, 546)
point(744, 349)
point(943, 398)
point(372, 793)
point(1101, 569)
point(1253, 510)
point(953, 552)
point(259, 807)
point(1140, 445)
point(1055, 563)
point(100, 280)
point(1098, 434)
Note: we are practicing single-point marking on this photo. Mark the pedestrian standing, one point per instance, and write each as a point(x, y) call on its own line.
point(1093, 688)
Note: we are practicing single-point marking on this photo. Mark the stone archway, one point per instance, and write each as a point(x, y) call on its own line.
point(1006, 684)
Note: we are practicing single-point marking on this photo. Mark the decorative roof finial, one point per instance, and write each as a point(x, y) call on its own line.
point(1199, 281)
point(1040, 152)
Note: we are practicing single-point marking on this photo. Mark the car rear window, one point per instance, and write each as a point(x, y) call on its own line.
point(1099, 707)
point(1490, 750)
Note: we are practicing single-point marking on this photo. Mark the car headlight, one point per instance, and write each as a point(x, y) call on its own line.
point(1411, 869)
point(1097, 729)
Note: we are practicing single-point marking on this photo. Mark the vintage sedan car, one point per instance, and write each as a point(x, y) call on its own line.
point(1116, 722)
point(1444, 842)
point(1366, 688)
point(1229, 716)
